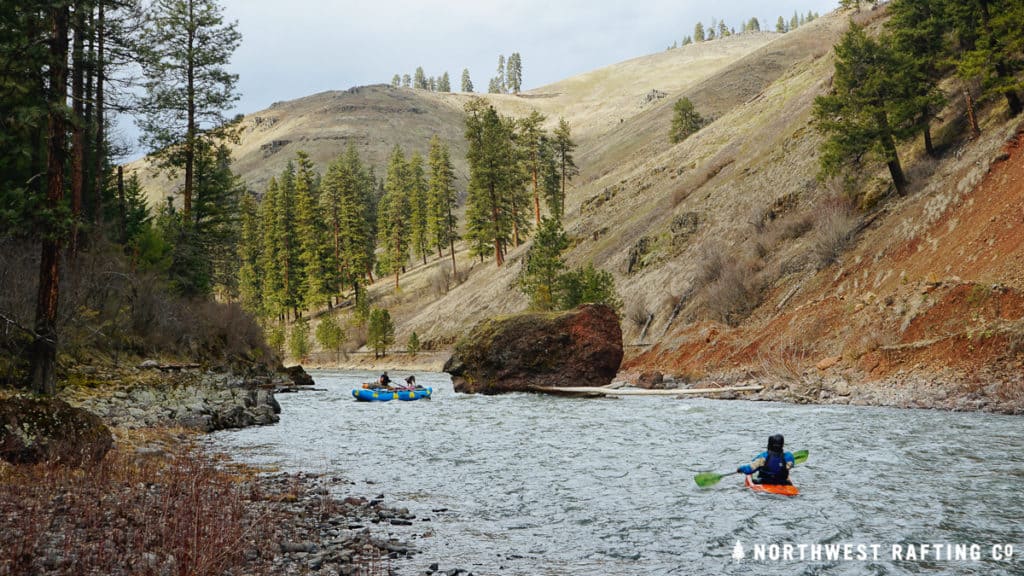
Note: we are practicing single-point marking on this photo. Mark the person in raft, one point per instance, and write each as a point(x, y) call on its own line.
point(772, 466)
point(384, 381)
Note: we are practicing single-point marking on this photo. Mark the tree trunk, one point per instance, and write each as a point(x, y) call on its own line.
point(972, 117)
point(929, 148)
point(536, 194)
point(77, 124)
point(451, 239)
point(100, 146)
point(190, 132)
point(892, 158)
point(122, 207)
point(43, 353)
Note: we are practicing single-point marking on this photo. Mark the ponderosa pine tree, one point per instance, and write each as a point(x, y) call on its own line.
point(393, 217)
point(500, 86)
point(419, 79)
point(315, 276)
point(564, 146)
point(467, 83)
point(780, 25)
point(867, 112)
point(753, 25)
point(685, 121)
point(406, 81)
point(532, 139)
point(445, 83)
point(441, 200)
point(250, 273)
point(698, 32)
point(417, 191)
point(990, 37)
point(514, 74)
point(396, 81)
point(184, 52)
point(344, 202)
point(544, 265)
point(271, 254)
point(488, 210)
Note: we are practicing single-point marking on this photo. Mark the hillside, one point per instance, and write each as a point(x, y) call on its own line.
point(726, 248)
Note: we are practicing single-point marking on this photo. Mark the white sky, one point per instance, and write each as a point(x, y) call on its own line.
point(296, 48)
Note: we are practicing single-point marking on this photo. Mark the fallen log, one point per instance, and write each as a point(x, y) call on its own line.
point(595, 391)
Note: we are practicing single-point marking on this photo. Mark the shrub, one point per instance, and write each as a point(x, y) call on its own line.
point(413, 345)
point(589, 285)
point(330, 334)
point(834, 230)
point(298, 344)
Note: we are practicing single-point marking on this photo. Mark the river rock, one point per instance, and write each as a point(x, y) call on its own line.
point(47, 429)
point(298, 375)
point(651, 380)
point(580, 347)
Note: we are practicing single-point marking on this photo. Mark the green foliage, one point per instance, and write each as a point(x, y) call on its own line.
point(871, 108)
point(685, 121)
point(276, 339)
point(413, 345)
point(589, 285)
point(298, 342)
point(330, 334)
point(420, 79)
point(780, 25)
point(467, 83)
point(491, 181)
point(361, 311)
point(442, 199)
point(418, 208)
point(563, 148)
point(393, 215)
point(445, 83)
point(514, 73)
point(543, 265)
point(381, 333)
point(698, 32)
point(396, 81)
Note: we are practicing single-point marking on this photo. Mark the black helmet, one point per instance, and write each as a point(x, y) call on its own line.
point(775, 443)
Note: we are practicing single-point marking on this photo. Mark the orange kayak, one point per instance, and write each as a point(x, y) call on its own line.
point(780, 489)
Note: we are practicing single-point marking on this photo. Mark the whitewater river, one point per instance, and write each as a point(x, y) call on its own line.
point(530, 484)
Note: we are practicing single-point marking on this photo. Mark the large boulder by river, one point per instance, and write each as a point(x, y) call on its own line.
point(580, 347)
point(47, 430)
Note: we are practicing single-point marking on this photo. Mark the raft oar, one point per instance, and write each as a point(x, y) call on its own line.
point(705, 479)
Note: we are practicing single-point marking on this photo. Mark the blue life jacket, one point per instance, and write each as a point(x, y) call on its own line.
point(774, 470)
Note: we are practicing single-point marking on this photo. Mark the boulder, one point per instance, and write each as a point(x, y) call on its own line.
point(49, 430)
point(298, 375)
point(651, 380)
point(580, 347)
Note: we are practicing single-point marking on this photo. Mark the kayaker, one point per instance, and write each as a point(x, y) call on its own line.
point(771, 466)
point(384, 381)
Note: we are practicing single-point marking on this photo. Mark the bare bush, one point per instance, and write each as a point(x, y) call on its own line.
point(712, 262)
point(638, 313)
point(735, 293)
point(835, 225)
point(440, 281)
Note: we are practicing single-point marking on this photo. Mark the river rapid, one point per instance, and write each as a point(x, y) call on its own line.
point(532, 484)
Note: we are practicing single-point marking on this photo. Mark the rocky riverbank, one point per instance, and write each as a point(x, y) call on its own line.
point(161, 503)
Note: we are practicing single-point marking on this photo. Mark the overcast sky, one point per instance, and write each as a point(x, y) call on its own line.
point(295, 48)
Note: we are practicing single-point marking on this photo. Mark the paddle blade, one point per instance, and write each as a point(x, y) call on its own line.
point(705, 479)
point(800, 456)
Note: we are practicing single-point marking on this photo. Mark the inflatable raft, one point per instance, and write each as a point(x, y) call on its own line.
point(780, 489)
point(382, 395)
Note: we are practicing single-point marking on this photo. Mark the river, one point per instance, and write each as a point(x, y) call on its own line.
point(531, 484)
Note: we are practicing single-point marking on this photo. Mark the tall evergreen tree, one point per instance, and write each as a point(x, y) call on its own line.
point(393, 217)
point(780, 25)
point(868, 110)
point(184, 53)
point(564, 147)
point(445, 83)
point(441, 200)
point(500, 85)
point(543, 265)
point(990, 34)
point(406, 81)
point(250, 272)
point(698, 32)
point(754, 25)
point(515, 73)
point(310, 230)
point(418, 237)
point(396, 81)
point(467, 83)
point(533, 139)
point(488, 212)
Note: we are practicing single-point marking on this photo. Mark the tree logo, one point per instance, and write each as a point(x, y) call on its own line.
point(737, 551)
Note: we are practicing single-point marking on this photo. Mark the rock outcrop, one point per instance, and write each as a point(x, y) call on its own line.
point(581, 347)
point(36, 430)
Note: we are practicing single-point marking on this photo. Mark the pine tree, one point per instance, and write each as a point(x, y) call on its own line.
point(520, 208)
point(467, 84)
point(723, 30)
point(488, 205)
point(441, 200)
point(331, 335)
point(310, 229)
point(406, 81)
point(444, 84)
point(413, 344)
point(184, 51)
point(588, 285)
point(515, 72)
point(500, 86)
point(298, 342)
point(271, 253)
point(685, 121)
point(393, 217)
point(868, 110)
point(396, 81)
point(794, 22)
point(419, 79)
point(780, 25)
point(250, 273)
point(564, 146)
point(698, 32)
point(532, 139)
point(918, 30)
point(381, 332)
point(418, 237)
point(543, 265)
point(754, 25)
point(990, 34)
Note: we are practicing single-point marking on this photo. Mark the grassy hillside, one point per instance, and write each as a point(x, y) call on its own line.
point(734, 261)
